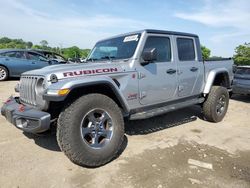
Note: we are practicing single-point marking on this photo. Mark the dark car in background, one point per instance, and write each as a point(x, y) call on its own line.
point(13, 62)
point(52, 55)
point(241, 82)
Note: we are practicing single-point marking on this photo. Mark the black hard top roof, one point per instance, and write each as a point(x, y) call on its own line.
point(169, 32)
point(153, 31)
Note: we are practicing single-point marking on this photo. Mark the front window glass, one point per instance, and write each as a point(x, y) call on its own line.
point(116, 48)
point(59, 57)
point(36, 57)
point(162, 45)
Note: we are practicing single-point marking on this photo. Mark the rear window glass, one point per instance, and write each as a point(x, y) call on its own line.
point(243, 71)
point(186, 50)
point(15, 54)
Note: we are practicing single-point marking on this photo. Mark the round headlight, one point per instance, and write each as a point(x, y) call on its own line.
point(53, 78)
point(40, 86)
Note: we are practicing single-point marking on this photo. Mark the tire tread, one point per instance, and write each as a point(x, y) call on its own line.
point(64, 129)
point(208, 105)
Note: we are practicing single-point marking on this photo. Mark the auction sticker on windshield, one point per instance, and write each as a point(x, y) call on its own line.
point(131, 38)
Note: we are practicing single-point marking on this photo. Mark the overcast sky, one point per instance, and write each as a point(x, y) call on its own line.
point(221, 24)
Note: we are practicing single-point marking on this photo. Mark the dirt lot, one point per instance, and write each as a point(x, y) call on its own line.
point(158, 152)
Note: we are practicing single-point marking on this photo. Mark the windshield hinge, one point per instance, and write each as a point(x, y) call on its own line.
point(141, 75)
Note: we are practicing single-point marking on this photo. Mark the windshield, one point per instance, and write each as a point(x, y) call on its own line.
point(116, 48)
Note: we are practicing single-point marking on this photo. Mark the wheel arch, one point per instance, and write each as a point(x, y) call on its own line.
point(219, 77)
point(102, 87)
point(105, 87)
point(6, 68)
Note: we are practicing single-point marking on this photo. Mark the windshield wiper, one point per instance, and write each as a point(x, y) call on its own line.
point(108, 57)
point(91, 59)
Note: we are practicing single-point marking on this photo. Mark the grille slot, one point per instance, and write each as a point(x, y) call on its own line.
point(27, 89)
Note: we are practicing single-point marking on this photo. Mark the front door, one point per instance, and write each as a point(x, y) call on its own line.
point(36, 61)
point(158, 79)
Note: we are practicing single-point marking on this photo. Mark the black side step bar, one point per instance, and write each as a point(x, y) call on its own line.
point(165, 109)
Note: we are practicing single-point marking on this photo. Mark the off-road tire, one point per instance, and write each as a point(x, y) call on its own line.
point(230, 94)
point(69, 136)
point(6, 73)
point(211, 102)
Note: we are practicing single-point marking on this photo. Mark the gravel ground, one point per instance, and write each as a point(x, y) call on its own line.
point(178, 149)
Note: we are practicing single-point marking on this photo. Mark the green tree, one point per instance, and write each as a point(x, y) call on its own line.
point(85, 53)
point(20, 46)
point(29, 44)
point(5, 40)
point(18, 41)
point(37, 47)
point(44, 44)
point(205, 52)
point(242, 54)
point(2, 46)
point(72, 52)
point(11, 44)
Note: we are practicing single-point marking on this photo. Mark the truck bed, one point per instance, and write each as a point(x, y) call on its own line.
point(219, 64)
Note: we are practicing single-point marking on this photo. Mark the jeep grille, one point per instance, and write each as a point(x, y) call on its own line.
point(27, 89)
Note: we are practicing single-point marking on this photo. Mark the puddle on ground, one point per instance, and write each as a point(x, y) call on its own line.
point(196, 130)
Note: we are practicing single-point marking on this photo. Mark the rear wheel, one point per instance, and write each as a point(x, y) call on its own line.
point(90, 131)
point(216, 104)
point(3, 73)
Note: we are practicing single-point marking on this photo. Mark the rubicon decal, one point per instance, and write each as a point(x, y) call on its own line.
point(88, 72)
point(132, 96)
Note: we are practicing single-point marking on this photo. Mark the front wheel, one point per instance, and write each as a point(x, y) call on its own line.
point(91, 130)
point(216, 104)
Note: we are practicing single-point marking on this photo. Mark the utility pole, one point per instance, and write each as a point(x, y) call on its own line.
point(60, 48)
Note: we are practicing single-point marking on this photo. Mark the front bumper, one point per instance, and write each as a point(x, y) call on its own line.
point(24, 117)
point(239, 89)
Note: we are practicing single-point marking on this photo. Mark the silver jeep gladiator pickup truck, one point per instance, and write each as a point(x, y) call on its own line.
point(135, 76)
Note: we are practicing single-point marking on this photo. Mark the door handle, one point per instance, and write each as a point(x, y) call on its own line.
point(193, 69)
point(171, 71)
point(33, 62)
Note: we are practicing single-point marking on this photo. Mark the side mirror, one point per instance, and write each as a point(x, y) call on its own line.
point(149, 55)
point(50, 62)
